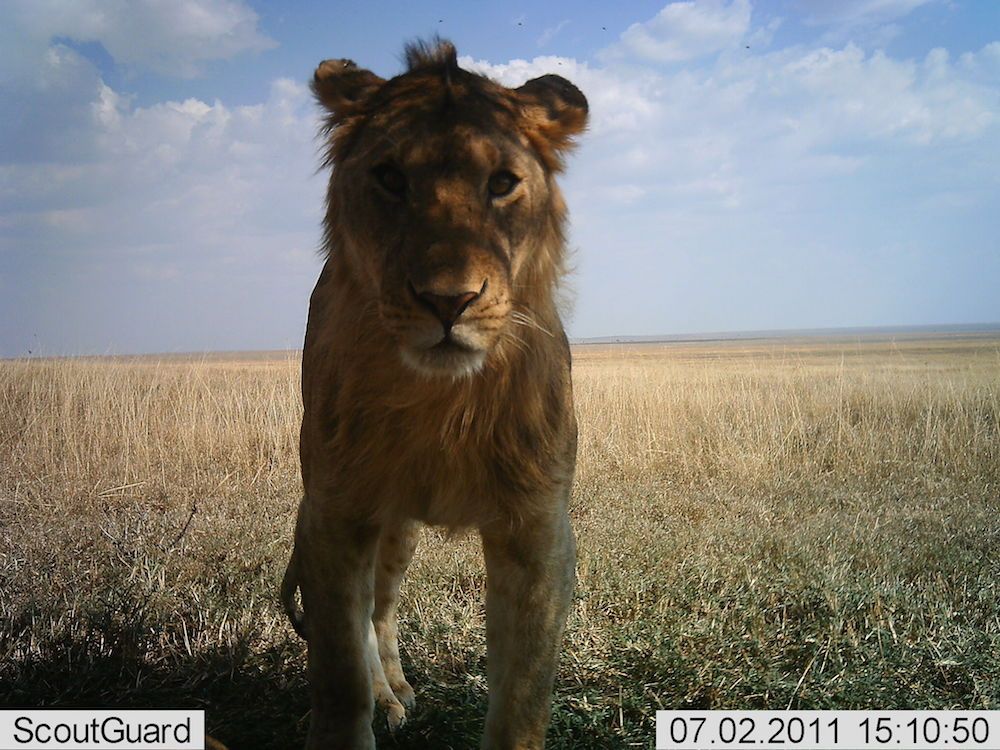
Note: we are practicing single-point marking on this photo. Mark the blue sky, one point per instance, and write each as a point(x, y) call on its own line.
point(749, 165)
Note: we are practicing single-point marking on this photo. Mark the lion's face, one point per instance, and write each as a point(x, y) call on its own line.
point(443, 191)
point(442, 223)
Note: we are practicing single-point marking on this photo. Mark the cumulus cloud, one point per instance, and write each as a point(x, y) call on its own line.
point(169, 37)
point(697, 162)
point(617, 102)
point(107, 207)
point(180, 234)
point(686, 31)
point(811, 103)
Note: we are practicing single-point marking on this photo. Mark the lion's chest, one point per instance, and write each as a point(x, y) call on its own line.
point(395, 463)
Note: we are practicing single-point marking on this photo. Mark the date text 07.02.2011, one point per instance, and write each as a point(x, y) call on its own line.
point(827, 730)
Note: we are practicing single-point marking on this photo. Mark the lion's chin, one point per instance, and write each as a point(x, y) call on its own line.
point(445, 359)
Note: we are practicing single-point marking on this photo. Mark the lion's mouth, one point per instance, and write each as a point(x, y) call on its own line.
point(448, 357)
point(449, 345)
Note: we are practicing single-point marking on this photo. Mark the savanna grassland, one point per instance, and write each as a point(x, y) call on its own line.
point(761, 525)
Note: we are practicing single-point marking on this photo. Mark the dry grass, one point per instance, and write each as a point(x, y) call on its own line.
point(766, 525)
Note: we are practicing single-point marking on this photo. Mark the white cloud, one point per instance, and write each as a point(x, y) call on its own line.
point(134, 225)
point(860, 12)
point(617, 102)
point(174, 38)
point(874, 24)
point(760, 166)
point(222, 168)
point(687, 30)
point(825, 108)
point(122, 225)
point(185, 179)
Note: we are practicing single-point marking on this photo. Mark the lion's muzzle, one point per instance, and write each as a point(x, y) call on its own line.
point(447, 307)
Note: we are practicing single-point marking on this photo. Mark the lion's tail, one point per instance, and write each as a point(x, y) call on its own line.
point(289, 585)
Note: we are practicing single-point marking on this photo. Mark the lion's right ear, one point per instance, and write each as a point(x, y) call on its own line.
point(342, 87)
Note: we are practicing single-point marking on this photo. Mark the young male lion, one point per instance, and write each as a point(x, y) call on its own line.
point(436, 382)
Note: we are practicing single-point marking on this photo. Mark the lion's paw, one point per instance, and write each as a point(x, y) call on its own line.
point(404, 693)
point(395, 713)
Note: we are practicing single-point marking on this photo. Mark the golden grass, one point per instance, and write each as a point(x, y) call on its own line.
point(766, 413)
point(760, 525)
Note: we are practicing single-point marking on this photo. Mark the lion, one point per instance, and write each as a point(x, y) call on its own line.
point(436, 383)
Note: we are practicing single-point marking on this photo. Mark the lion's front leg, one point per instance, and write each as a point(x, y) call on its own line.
point(335, 560)
point(529, 590)
point(396, 546)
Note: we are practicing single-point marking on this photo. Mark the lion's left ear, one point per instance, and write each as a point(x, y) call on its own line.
point(555, 111)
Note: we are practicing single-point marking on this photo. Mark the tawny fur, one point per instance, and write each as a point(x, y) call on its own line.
point(464, 423)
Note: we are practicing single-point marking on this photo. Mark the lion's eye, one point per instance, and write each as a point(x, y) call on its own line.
point(391, 179)
point(502, 183)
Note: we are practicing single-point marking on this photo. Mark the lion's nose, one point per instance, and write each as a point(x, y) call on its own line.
point(447, 307)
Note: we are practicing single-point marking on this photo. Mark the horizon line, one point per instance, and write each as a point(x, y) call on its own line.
point(832, 332)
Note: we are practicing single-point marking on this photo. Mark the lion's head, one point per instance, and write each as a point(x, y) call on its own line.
point(443, 203)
